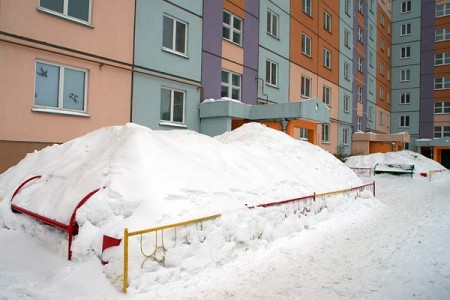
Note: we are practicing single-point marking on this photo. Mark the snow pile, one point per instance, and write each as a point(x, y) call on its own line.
point(421, 163)
point(152, 177)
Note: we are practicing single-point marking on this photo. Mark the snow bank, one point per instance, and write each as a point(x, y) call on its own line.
point(422, 164)
point(157, 177)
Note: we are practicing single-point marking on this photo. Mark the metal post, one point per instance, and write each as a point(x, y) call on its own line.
point(125, 260)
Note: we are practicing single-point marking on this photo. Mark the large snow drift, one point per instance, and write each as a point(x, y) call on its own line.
point(158, 177)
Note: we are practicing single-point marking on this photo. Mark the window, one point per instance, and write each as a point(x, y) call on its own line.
point(345, 138)
point(442, 107)
point(382, 20)
point(306, 87)
point(307, 7)
point(359, 123)
point(347, 7)
point(326, 95)
point(271, 73)
point(172, 105)
point(79, 10)
point(442, 59)
point(360, 35)
point(388, 75)
point(304, 134)
point(232, 28)
point(405, 75)
point(306, 45)
point(371, 58)
point(59, 87)
point(347, 71)
point(405, 98)
point(406, 6)
point(327, 58)
point(325, 133)
point(346, 103)
point(360, 93)
point(272, 23)
point(389, 29)
point(231, 85)
point(361, 6)
point(371, 86)
point(382, 68)
point(382, 44)
point(405, 29)
point(442, 10)
point(174, 35)
point(388, 98)
point(441, 131)
point(442, 35)
point(371, 113)
point(404, 121)
point(388, 51)
point(442, 83)
point(371, 32)
point(381, 118)
point(347, 38)
point(360, 64)
point(405, 52)
point(381, 93)
point(372, 6)
point(327, 21)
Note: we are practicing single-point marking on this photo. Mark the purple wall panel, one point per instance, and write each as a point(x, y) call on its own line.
point(251, 50)
point(249, 86)
point(427, 70)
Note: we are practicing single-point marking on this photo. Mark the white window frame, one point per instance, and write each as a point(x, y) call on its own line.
point(271, 78)
point(371, 113)
point(171, 112)
point(405, 52)
point(65, 13)
point(361, 6)
point(445, 10)
point(273, 19)
point(405, 7)
point(442, 107)
point(347, 38)
point(359, 93)
point(442, 59)
point(405, 75)
point(382, 68)
point(325, 133)
point(404, 121)
point(372, 6)
point(371, 58)
point(381, 93)
point(443, 131)
point(326, 21)
point(405, 29)
point(442, 83)
point(303, 134)
point(441, 35)
point(326, 58)
point(305, 90)
point(233, 31)
point(347, 103)
point(230, 86)
point(380, 118)
point(382, 44)
point(345, 136)
point(346, 70)
point(360, 35)
point(360, 64)
point(405, 98)
point(359, 123)
point(382, 19)
point(307, 7)
point(306, 44)
point(347, 7)
point(371, 32)
point(371, 86)
point(175, 23)
point(60, 108)
point(326, 95)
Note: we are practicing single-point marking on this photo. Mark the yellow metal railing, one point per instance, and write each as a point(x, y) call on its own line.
point(430, 174)
point(127, 234)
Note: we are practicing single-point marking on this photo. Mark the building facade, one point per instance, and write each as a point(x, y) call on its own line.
point(322, 71)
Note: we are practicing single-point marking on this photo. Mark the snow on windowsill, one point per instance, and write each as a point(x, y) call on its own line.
point(172, 124)
point(61, 112)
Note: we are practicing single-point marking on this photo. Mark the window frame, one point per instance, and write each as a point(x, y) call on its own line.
point(345, 136)
point(326, 95)
point(347, 38)
point(306, 37)
point(65, 13)
point(346, 71)
point(360, 62)
point(445, 58)
point(405, 52)
point(405, 98)
point(172, 101)
point(381, 93)
point(305, 87)
point(347, 7)
point(445, 83)
point(327, 21)
point(232, 28)
point(307, 7)
point(60, 101)
point(405, 7)
point(405, 29)
point(346, 103)
point(442, 108)
point(270, 24)
point(445, 35)
point(445, 10)
point(405, 75)
point(444, 131)
point(358, 123)
point(325, 133)
point(359, 93)
point(229, 85)
point(175, 22)
point(271, 65)
point(326, 58)
point(404, 121)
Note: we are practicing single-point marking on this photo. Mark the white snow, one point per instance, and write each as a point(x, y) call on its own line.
point(391, 246)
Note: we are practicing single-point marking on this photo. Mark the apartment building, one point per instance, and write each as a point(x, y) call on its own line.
point(62, 73)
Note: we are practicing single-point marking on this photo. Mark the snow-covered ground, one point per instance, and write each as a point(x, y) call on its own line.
point(393, 246)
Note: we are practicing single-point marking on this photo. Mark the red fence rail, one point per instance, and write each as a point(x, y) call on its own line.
point(71, 228)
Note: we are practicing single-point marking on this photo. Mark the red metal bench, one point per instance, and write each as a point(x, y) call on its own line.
point(71, 228)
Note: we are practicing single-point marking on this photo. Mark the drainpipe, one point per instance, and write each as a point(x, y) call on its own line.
point(284, 123)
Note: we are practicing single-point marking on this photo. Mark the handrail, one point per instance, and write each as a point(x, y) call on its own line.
point(23, 184)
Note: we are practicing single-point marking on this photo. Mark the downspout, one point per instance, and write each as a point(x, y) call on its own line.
point(132, 63)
